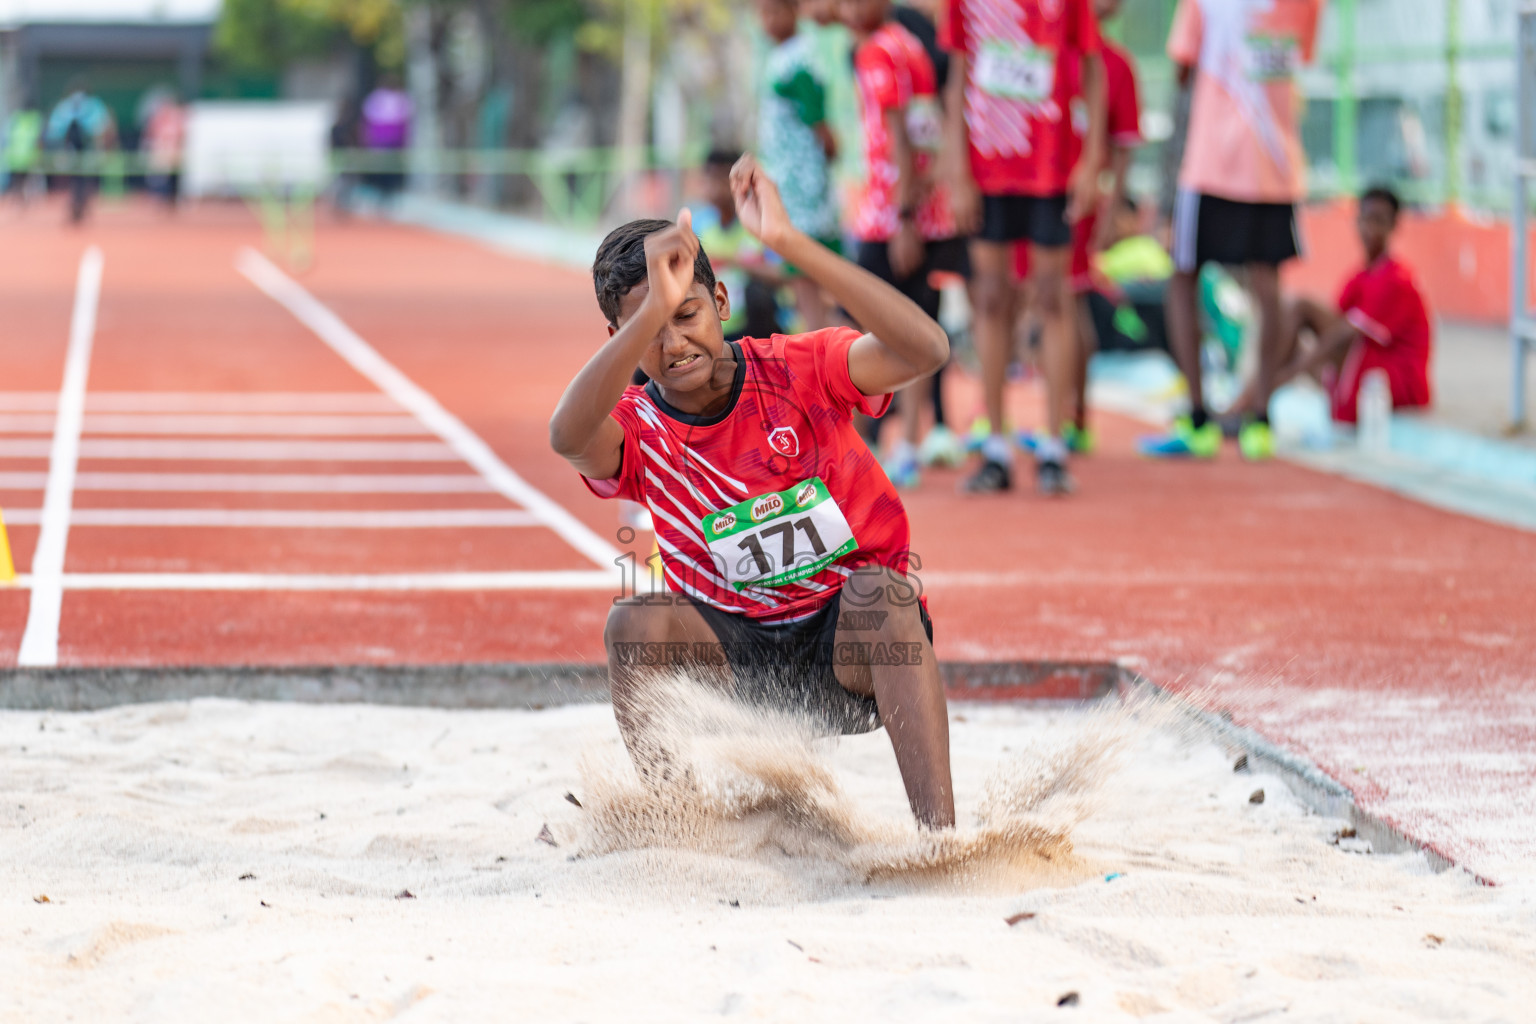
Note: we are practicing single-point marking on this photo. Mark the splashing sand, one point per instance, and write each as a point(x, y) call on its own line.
point(756, 783)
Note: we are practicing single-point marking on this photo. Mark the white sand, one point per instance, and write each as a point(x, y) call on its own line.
point(138, 823)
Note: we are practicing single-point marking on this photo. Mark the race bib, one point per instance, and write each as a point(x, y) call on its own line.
point(1272, 58)
point(925, 124)
point(1015, 71)
point(777, 538)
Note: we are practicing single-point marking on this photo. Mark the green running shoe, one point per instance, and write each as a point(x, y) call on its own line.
point(1255, 441)
point(1184, 441)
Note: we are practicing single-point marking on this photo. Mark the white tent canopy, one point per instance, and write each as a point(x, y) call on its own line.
point(117, 12)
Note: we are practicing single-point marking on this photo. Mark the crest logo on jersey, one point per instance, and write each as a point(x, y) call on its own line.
point(766, 506)
point(784, 441)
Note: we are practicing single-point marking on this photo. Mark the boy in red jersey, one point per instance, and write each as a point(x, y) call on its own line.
point(784, 544)
point(1379, 322)
point(1009, 99)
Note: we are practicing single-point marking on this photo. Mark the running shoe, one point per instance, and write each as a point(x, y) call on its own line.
point(1052, 479)
point(991, 478)
point(981, 428)
point(1184, 441)
point(1078, 441)
point(941, 448)
point(1255, 441)
point(903, 470)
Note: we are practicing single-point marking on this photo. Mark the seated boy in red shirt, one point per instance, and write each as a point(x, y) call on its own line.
point(784, 545)
point(1379, 322)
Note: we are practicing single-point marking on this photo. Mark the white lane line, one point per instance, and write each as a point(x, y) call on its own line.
point(585, 579)
point(247, 451)
point(40, 641)
point(262, 483)
point(215, 425)
point(367, 361)
point(295, 519)
point(208, 401)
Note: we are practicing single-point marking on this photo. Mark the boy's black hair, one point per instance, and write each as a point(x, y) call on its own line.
point(620, 265)
point(1386, 195)
point(722, 158)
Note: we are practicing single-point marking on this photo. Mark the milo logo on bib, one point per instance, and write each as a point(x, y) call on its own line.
point(767, 505)
point(1015, 71)
point(778, 538)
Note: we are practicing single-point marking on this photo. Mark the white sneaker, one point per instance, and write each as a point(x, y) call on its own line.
point(941, 448)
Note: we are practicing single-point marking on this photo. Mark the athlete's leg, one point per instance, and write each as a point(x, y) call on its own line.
point(1301, 320)
point(1183, 314)
point(1264, 286)
point(992, 309)
point(903, 677)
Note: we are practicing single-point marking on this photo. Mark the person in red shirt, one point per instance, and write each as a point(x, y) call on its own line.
point(1380, 322)
point(771, 513)
point(1123, 129)
point(902, 221)
point(1014, 179)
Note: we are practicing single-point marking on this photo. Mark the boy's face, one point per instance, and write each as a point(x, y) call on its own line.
point(1106, 9)
point(1375, 222)
point(863, 16)
point(778, 18)
point(686, 351)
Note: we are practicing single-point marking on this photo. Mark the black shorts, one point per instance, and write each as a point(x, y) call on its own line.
point(1210, 229)
point(1038, 219)
point(793, 667)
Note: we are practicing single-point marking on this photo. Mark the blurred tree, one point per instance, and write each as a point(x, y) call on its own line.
point(266, 35)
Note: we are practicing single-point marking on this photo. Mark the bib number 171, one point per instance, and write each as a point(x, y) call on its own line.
point(776, 539)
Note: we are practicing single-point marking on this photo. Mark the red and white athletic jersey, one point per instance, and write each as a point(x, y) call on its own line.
point(1384, 304)
point(1019, 87)
point(779, 479)
point(894, 72)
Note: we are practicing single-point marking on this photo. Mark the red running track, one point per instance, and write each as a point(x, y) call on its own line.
point(1389, 642)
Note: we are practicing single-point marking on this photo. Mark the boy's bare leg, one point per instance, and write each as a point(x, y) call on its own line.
point(811, 302)
point(1087, 342)
point(1298, 318)
point(910, 696)
point(1055, 304)
point(1183, 313)
point(677, 623)
point(992, 294)
point(1264, 286)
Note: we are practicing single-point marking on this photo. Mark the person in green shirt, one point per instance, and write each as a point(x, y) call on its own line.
point(23, 148)
point(738, 259)
point(796, 145)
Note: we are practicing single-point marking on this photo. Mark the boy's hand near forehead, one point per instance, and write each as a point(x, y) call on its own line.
point(669, 257)
point(901, 343)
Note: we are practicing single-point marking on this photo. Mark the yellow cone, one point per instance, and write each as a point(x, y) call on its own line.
point(7, 567)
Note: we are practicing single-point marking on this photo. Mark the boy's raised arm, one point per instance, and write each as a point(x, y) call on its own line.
point(581, 429)
point(901, 345)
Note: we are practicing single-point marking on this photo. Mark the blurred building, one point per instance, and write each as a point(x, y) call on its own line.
point(123, 48)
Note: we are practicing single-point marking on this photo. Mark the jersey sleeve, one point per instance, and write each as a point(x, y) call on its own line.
point(1083, 29)
point(1184, 36)
point(822, 356)
point(1123, 115)
point(952, 28)
point(629, 482)
point(879, 81)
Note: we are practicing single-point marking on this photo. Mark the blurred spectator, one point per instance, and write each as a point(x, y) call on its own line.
point(1380, 322)
point(739, 262)
point(903, 223)
point(796, 145)
point(79, 126)
point(164, 135)
point(23, 151)
point(386, 128)
point(1243, 172)
point(1129, 284)
point(1010, 93)
point(344, 132)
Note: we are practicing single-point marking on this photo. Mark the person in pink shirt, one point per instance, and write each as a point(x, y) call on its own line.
point(1243, 173)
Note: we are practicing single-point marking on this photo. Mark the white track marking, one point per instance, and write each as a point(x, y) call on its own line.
point(247, 451)
point(40, 641)
point(208, 401)
point(589, 579)
point(367, 361)
point(260, 483)
point(215, 425)
point(295, 519)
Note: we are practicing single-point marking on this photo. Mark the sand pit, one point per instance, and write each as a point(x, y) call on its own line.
point(232, 861)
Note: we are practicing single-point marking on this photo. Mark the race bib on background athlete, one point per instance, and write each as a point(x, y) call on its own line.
point(778, 538)
point(1015, 71)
